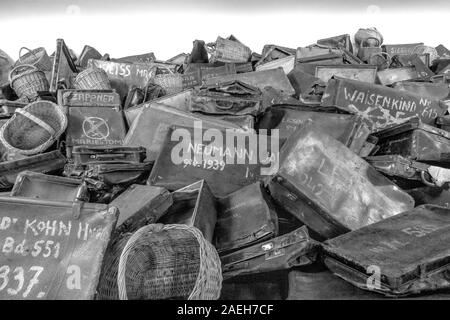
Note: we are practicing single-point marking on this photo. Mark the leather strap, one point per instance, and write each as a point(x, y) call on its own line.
point(36, 120)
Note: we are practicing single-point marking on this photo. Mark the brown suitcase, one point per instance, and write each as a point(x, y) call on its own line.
point(330, 188)
point(52, 250)
point(245, 217)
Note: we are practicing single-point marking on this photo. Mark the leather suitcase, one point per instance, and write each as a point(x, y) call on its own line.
point(330, 188)
point(82, 156)
point(140, 205)
point(41, 186)
point(439, 91)
point(359, 72)
point(114, 173)
point(177, 82)
point(380, 106)
point(404, 171)
point(419, 62)
point(275, 78)
point(139, 58)
point(52, 249)
point(399, 256)
point(281, 253)
point(443, 123)
point(390, 76)
point(346, 128)
point(287, 64)
point(439, 196)
point(152, 124)
point(195, 206)
point(341, 41)
point(199, 161)
point(228, 98)
point(416, 141)
point(49, 162)
point(400, 49)
point(245, 217)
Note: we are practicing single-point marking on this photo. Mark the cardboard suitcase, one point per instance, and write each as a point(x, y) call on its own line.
point(245, 217)
point(52, 249)
point(281, 253)
point(330, 188)
point(399, 256)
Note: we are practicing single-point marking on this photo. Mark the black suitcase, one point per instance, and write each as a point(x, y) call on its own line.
point(82, 156)
point(195, 206)
point(330, 188)
point(402, 255)
point(52, 250)
point(245, 217)
point(283, 252)
point(140, 205)
point(380, 106)
point(225, 168)
point(416, 141)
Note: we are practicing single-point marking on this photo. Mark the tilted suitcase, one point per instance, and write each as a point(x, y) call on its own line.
point(225, 165)
point(228, 98)
point(400, 49)
point(245, 217)
point(87, 53)
point(419, 62)
point(275, 78)
point(48, 162)
point(346, 128)
point(195, 206)
point(390, 76)
point(380, 106)
point(64, 69)
point(51, 249)
point(116, 173)
point(140, 205)
point(359, 72)
point(443, 123)
point(416, 141)
point(404, 171)
point(439, 91)
point(283, 252)
point(82, 156)
point(439, 196)
point(139, 58)
point(330, 188)
point(176, 82)
point(287, 64)
point(341, 41)
point(46, 187)
point(151, 125)
point(402, 255)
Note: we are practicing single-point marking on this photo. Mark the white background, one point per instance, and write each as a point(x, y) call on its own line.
point(170, 32)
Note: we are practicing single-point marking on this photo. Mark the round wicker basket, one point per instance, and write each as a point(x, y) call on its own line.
point(161, 262)
point(34, 128)
point(37, 57)
point(92, 79)
point(26, 80)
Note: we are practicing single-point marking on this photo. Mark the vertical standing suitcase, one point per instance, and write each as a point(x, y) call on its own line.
point(402, 255)
point(245, 217)
point(195, 206)
point(52, 249)
point(330, 188)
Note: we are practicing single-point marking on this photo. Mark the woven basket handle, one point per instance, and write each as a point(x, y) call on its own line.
point(20, 51)
point(24, 66)
point(36, 120)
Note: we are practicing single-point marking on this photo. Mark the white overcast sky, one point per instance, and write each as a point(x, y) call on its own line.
point(167, 28)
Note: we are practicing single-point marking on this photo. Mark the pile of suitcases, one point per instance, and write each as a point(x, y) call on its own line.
point(317, 172)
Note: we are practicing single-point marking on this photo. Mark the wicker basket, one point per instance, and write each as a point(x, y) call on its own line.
point(34, 128)
point(161, 262)
point(92, 79)
point(27, 80)
point(37, 57)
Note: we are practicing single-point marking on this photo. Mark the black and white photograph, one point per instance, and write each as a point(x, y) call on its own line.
point(224, 157)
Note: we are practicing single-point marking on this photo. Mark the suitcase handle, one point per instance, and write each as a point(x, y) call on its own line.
point(109, 156)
